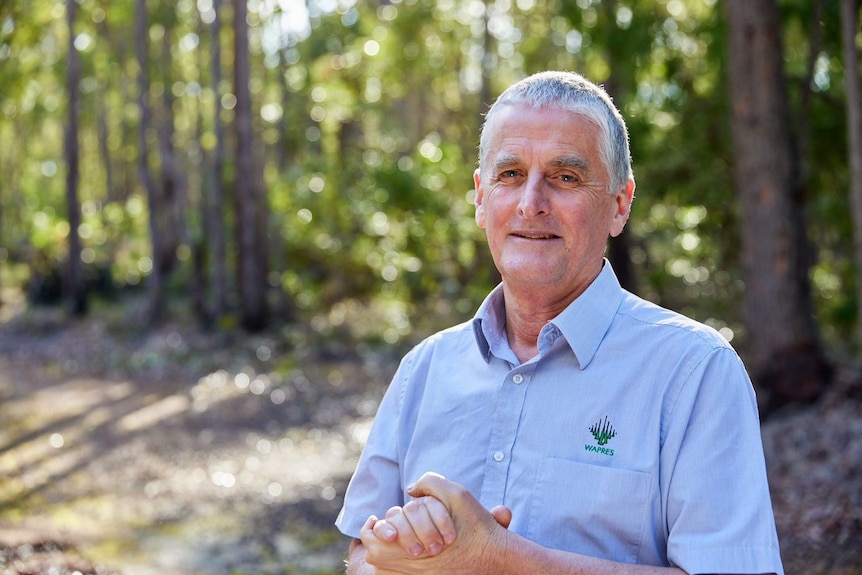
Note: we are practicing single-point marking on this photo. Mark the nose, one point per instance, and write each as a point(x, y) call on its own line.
point(534, 199)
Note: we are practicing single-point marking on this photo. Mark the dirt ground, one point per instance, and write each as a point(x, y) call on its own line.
point(170, 451)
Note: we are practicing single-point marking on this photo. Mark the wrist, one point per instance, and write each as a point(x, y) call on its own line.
point(498, 555)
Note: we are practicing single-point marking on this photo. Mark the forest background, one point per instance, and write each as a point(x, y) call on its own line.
point(248, 167)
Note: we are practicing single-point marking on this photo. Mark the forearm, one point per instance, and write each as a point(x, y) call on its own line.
point(356, 564)
point(523, 557)
point(519, 556)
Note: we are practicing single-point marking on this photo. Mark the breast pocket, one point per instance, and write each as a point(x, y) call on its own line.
point(588, 509)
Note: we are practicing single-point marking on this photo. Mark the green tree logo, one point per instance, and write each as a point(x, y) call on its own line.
point(603, 431)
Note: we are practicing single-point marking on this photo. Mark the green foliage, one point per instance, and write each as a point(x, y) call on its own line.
point(368, 117)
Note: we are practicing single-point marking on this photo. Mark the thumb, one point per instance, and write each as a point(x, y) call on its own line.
point(432, 484)
point(503, 515)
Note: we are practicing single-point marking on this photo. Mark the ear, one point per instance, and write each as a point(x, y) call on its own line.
point(622, 208)
point(480, 198)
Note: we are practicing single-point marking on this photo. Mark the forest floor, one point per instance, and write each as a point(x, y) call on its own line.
point(133, 451)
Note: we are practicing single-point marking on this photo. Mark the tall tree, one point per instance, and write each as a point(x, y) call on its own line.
point(215, 221)
point(783, 350)
point(172, 191)
point(849, 29)
point(156, 278)
point(616, 85)
point(75, 293)
point(248, 191)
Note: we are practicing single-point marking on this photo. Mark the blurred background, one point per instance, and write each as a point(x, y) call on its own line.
point(223, 221)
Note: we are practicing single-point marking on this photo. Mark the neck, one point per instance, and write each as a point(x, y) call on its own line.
point(525, 318)
point(530, 307)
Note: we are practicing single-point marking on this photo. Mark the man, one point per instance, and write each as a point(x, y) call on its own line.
point(570, 427)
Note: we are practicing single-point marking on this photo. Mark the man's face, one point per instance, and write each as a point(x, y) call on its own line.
point(543, 199)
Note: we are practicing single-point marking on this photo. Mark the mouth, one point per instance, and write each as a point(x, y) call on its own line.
point(535, 236)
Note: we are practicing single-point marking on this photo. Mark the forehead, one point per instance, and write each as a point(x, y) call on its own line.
point(522, 129)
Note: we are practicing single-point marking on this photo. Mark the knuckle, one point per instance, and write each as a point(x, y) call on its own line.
point(412, 506)
point(393, 512)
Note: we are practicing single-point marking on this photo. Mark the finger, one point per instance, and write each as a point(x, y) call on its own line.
point(438, 486)
point(369, 523)
point(463, 507)
point(441, 518)
point(419, 514)
point(384, 531)
point(406, 536)
point(503, 515)
point(366, 533)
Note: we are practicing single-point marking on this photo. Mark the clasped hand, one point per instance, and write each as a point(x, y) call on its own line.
point(444, 529)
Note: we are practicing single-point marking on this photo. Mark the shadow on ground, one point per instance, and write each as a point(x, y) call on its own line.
point(126, 451)
point(173, 452)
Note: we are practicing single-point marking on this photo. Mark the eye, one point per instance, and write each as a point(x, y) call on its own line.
point(568, 179)
point(508, 175)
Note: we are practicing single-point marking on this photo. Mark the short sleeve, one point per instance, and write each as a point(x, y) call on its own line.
point(376, 483)
point(719, 511)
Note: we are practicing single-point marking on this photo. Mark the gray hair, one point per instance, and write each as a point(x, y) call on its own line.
point(574, 93)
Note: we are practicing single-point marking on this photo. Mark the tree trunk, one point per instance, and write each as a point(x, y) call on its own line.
point(199, 203)
point(75, 292)
point(173, 197)
point(804, 122)
point(483, 254)
point(250, 209)
point(156, 281)
point(215, 221)
point(105, 154)
point(849, 29)
point(619, 248)
point(783, 351)
point(286, 158)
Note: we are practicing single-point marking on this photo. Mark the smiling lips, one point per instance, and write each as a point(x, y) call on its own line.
point(535, 236)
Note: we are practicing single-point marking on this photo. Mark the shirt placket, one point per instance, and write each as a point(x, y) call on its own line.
point(504, 429)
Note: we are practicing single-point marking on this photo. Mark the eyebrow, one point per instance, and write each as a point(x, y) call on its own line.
point(506, 161)
point(573, 162)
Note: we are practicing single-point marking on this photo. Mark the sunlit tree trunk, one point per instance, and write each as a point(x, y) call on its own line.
point(155, 279)
point(849, 30)
point(249, 197)
point(75, 293)
point(783, 352)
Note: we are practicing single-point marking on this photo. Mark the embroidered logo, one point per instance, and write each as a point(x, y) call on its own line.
point(603, 432)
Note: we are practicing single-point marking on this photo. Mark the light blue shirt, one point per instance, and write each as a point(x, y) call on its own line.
point(632, 436)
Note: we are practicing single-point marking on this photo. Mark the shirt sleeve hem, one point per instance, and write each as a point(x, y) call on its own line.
point(744, 560)
point(349, 524)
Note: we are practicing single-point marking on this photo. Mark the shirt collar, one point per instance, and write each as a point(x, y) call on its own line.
point(583, 324)
point(489, 323)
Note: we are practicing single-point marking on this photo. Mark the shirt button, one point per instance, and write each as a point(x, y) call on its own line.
point(499, 456)
point(518, 378)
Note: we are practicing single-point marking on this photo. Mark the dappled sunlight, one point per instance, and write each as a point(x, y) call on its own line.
point(240, 468)
point(302, 170)
point(150, 415)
